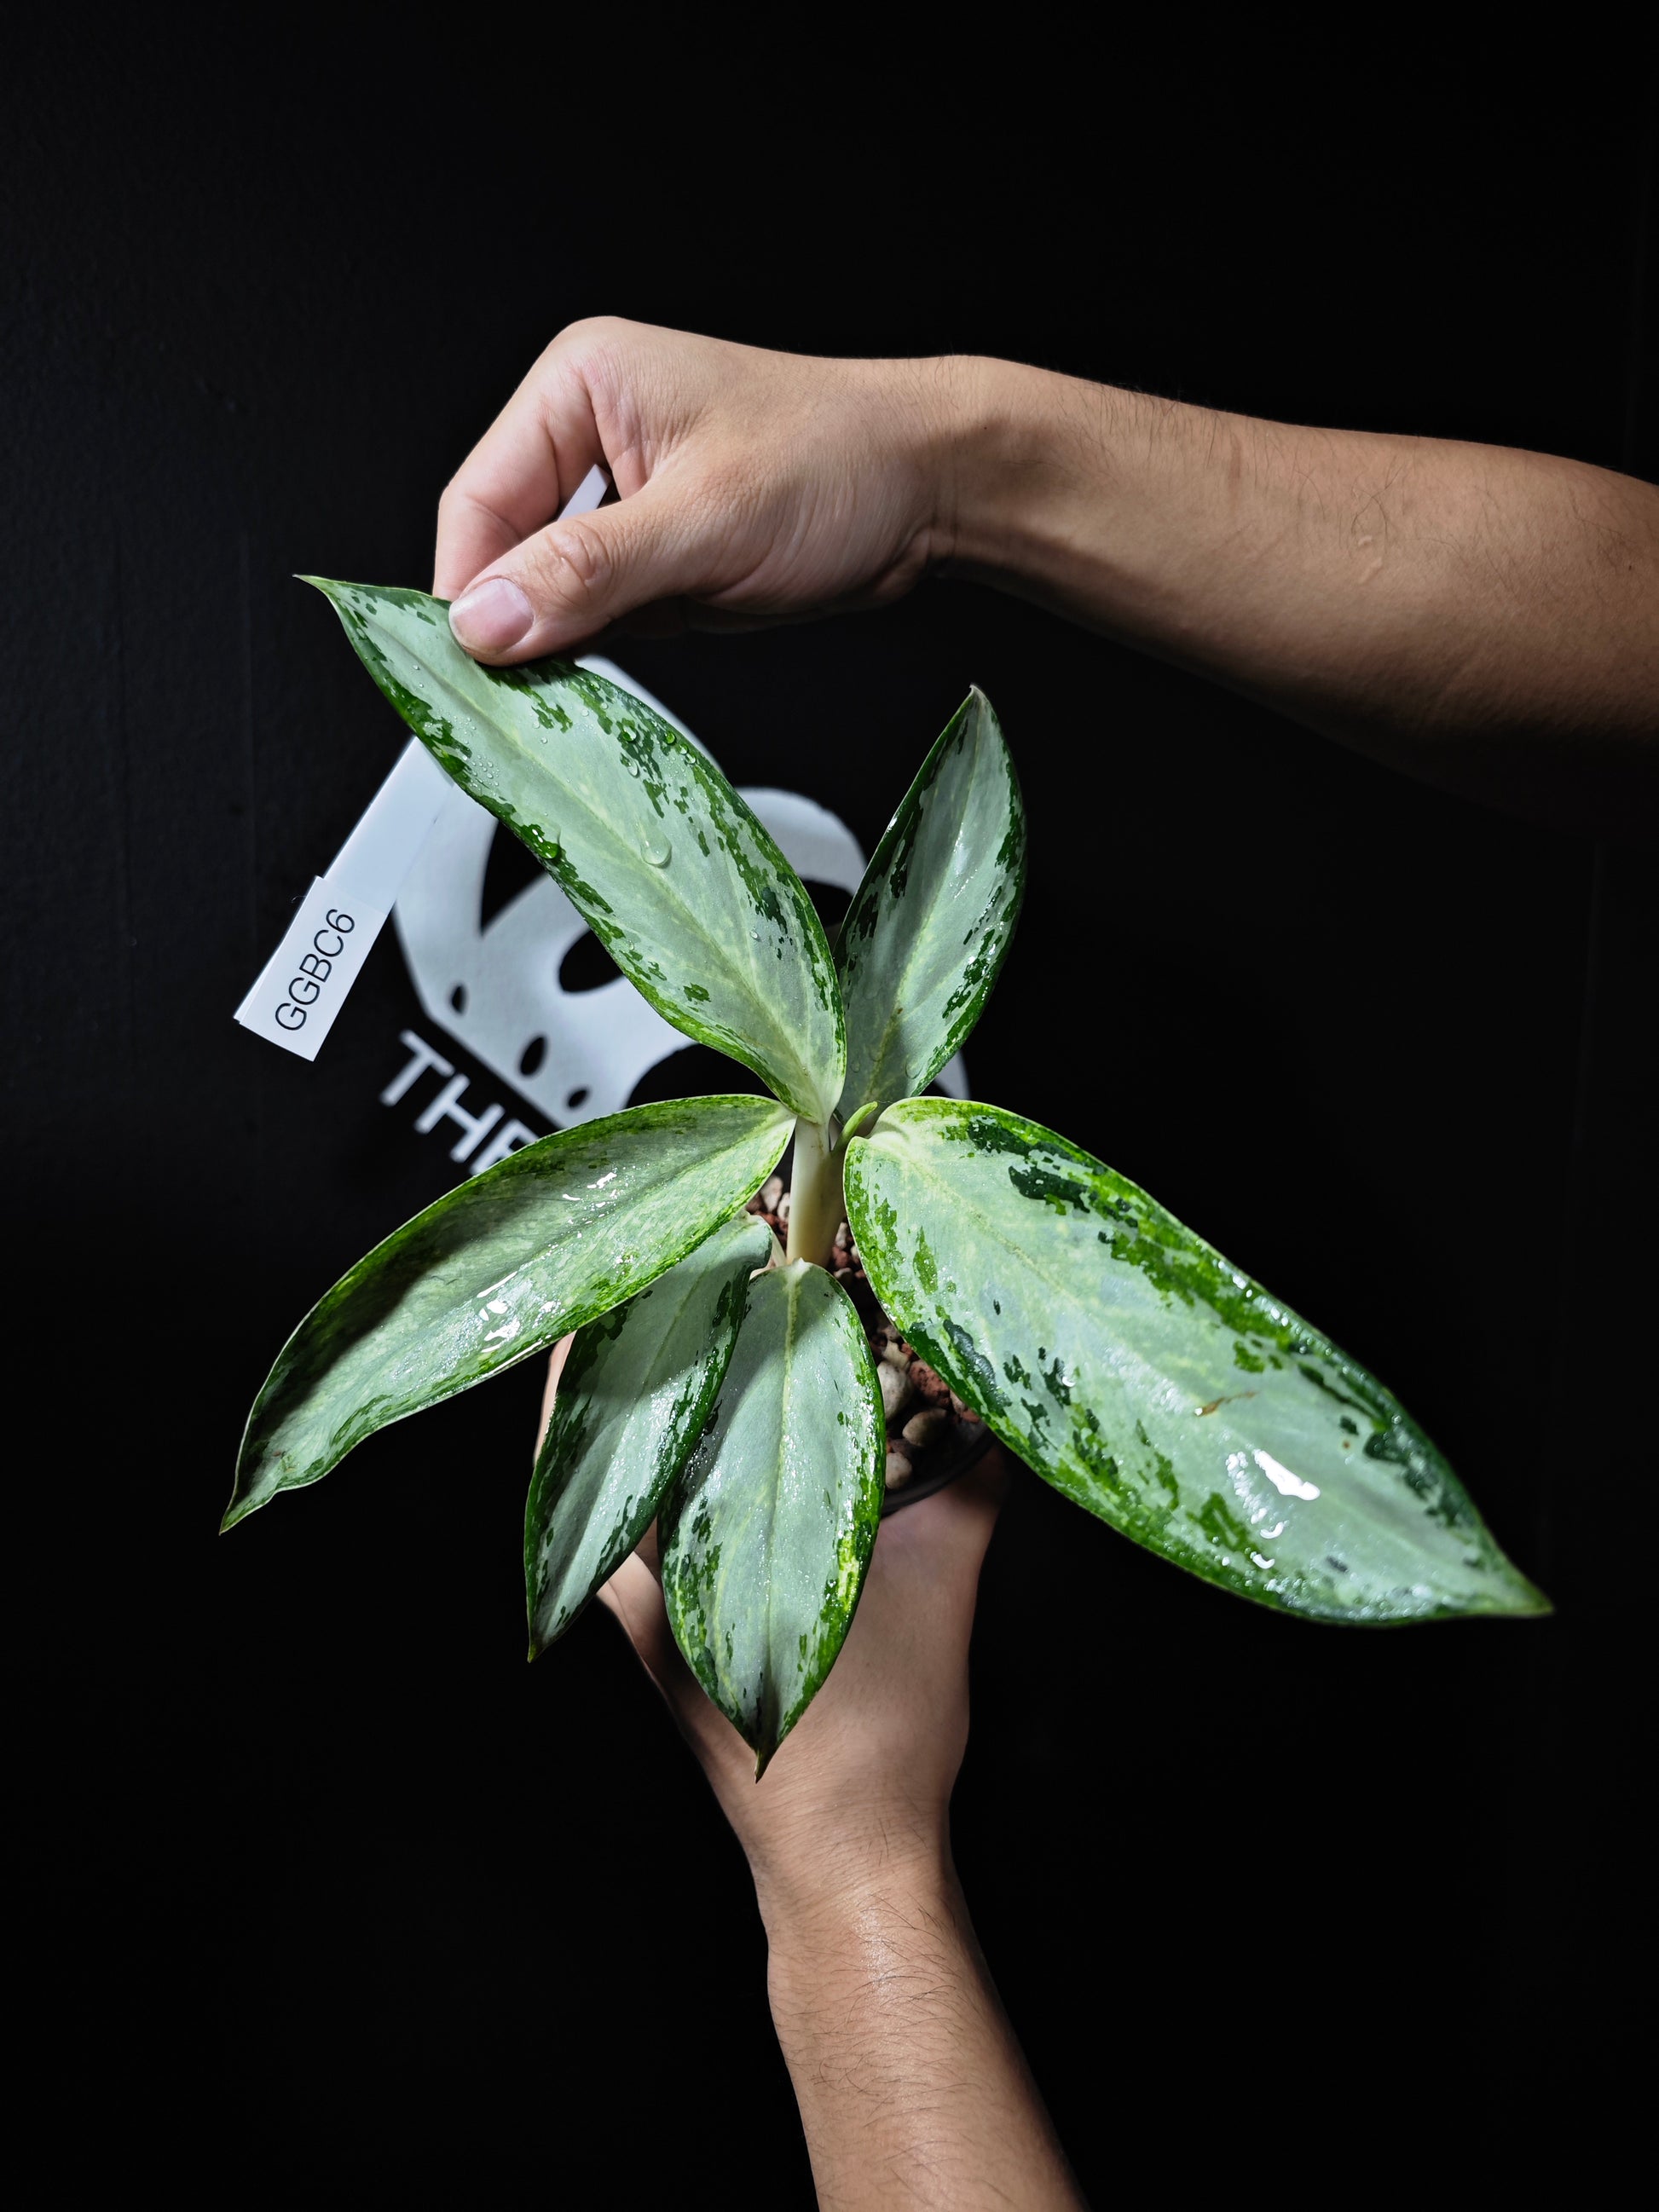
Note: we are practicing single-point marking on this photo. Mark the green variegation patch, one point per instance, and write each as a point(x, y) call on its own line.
point(636, 1391)
point(1150, 1380)
point(547, 1239)
point(766, 1536)
point(924, 938)
point(667, 865)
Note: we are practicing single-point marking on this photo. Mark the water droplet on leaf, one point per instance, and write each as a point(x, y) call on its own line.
point(656, 850)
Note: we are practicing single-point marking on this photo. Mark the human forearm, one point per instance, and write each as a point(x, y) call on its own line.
point(1481, 617)
point(1485, 617)
point(912, 2090)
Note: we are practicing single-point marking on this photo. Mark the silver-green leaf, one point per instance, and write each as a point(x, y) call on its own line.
point(766, 1536)
point(1154, 1382)
point(633, 1395)
point(550, 1237)
point(925, 936)
point(667, 865)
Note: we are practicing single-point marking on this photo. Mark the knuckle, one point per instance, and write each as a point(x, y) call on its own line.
point(457, 501)
point(591, 329)
point(592, 342)
point(573, 564)
point(612, 360)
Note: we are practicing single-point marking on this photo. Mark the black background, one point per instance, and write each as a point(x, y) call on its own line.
point(331, 1884)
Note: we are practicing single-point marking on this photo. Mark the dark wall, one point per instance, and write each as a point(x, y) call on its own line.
point(328, 1875)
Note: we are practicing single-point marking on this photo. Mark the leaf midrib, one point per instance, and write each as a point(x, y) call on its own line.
point(915, 942)
point(794, 1290)
point(1052, 1282)
point(1224, 1428)
point(748, 983)
point(653, 1380)
point(536, 1342)
point(654, 1372)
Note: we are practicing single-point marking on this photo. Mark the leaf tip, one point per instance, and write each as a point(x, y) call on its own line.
point(851, 1127)
point(1530, 1602)
point(1520, 1598)
point(331, 589)
point(246, 1497)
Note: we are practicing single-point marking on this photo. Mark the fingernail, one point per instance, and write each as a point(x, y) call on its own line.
point(491, 616)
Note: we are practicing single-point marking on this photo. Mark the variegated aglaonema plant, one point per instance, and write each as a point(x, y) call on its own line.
point(726, 1389)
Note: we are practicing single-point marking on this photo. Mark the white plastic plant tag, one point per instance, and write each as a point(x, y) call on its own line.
point(306, 981)
point(303, 985)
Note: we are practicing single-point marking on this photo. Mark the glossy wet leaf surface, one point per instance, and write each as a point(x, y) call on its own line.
point(670, 869)
point(637, 1389)
point(925, 936)
point(1146, 1377)
point(766, 1536)
point(549, 1238)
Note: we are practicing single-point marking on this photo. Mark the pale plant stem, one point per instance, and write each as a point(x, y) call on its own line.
point(816, 1200)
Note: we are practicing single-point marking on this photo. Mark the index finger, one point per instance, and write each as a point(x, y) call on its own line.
point(519, 475)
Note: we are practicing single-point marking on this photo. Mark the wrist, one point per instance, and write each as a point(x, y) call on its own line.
point(822, 1924)
point(997, 466)
point(809, 1889)
point(1047, 471)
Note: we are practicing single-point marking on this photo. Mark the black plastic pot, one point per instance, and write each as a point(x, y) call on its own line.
point(972, 1441)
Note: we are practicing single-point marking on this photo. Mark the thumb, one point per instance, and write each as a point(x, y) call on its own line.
point(570, 581)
